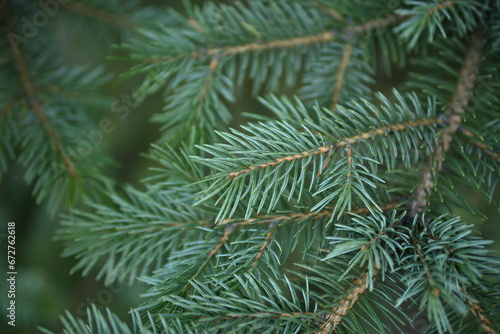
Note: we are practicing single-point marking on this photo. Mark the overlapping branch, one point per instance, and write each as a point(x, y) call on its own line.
point(346, 304)
point(31, 95)
point(342, 143)
point(454, 115)
point(322, 37)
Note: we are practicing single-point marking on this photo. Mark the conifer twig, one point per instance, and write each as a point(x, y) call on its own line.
point(262, 248)
point(344, 142)
point(346, 304)
point(478, 312)
point(423, 260)
point(482, 146)
point(330, 11)
point(442, 5)
point(337, 91)
point(29, 90)
point(322, 37)
point(454, 114)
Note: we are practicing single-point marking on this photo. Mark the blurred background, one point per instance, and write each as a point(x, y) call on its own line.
point(45, 288)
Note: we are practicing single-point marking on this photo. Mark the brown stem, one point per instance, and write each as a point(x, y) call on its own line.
point(31, 94)
point(440, 6)
point(333, 13)
point(454, 115)
point(337, 91)
point(262, 248)
point(478, 312)
point(344, 142)
point(295, 42)
point(346, 304)
point(482, 146)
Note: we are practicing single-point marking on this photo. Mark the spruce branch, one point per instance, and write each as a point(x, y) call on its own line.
point(484, 148)
point(477, 310)
point(331, 12)
point(295, 42)
point(345, 142)
point(31, 95)
point(454, 115)
point(346, 303)
point(346, 55)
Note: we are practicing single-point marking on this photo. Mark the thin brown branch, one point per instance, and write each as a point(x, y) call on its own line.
point(333, 13)
point(262, 248)
point(214, 63)
point(446, 4)
point(196, 26)
point(271, 220)
point(56, 89)
point(344, 142)
point(99, 14)
point(337, 91)
point(254, 47)
point(454, 115)
point(228, 230)
point(428, 273)
point(486, 150)
point(478, 313)
point(346, 304)
point(261, 315)
point(8, 107)
point(376, 24)
point(29, 90)
point(295, 42)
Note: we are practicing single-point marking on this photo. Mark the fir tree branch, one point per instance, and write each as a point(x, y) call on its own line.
point(441, 6)
point(375, 24)
point(262, 248)
point(294, 42)
point(342, 143)
point(330, 11)
point(478, 312)
point(214, 63)
point(252, 47)
point(454, 114)
point(337, 91)
point(346, 304)
point(29, 90)
point(482, 146)
point(228, 230)
point(99, 14)
point(430, 279)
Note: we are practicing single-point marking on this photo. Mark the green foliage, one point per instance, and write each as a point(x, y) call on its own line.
point(336, 211)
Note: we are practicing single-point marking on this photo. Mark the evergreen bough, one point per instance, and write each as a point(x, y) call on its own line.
point(335, 212)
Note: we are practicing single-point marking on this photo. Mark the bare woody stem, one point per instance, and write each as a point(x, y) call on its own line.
point(344, 142)
point(346, 304)
point(454, 115)
point(29, 90)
